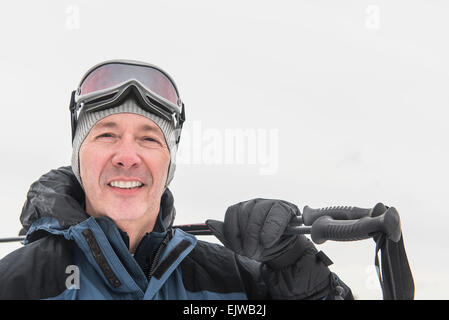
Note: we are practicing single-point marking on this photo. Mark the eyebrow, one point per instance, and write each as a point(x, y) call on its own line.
point(104, 125)
point(147, 127)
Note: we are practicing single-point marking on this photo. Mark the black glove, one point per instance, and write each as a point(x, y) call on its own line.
point(256, 229)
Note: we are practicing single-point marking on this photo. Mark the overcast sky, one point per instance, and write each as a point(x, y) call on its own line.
point(318, 103)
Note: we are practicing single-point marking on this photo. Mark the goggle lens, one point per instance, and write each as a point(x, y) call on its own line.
point(113, 74)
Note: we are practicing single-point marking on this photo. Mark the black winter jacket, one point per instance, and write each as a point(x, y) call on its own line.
point(70, 255)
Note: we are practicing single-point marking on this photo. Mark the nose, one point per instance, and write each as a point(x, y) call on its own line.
point(126, 155)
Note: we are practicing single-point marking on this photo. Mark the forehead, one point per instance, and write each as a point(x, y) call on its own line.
point(127, 121)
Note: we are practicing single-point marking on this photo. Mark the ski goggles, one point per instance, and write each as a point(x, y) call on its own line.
point(107, 84)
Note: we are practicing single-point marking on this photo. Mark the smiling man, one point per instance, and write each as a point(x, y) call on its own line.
point(103, 228)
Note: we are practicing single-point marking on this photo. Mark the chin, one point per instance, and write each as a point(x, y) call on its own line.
point(126, 213)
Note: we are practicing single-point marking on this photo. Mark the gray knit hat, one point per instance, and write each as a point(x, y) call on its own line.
point(87, 120)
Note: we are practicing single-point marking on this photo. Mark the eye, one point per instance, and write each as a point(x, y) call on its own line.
point(105, 135)
point(149, 139)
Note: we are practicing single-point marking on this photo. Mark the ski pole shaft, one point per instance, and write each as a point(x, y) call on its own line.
point(198, 229)
point(12, 239)
point(201, 229)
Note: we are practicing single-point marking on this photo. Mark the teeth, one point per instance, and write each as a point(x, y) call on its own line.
point(125, 184)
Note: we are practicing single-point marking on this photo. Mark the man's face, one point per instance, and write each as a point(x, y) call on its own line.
point(123, 165)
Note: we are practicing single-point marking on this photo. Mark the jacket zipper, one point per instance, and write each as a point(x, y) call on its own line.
point(157, 256)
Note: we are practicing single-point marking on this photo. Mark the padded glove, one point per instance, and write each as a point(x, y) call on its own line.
point(256, 229)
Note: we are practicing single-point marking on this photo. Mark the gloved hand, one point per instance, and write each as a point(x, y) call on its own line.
point(256, 229)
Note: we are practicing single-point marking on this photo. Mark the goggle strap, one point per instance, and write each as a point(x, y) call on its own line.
point(182, 118)
point(73, 114)
point(183, 114)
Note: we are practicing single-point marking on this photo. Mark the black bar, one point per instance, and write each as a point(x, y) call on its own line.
point(13, 239)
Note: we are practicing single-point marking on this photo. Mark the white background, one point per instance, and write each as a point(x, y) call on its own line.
point(357, 91)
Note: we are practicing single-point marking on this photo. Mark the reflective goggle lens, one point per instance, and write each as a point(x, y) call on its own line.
point(113, 74)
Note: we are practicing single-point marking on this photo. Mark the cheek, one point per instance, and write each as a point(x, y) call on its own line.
point(158, 163)
point(90, 161)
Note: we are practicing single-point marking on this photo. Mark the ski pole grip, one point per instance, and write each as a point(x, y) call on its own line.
point(309, 215)
point(326, 228)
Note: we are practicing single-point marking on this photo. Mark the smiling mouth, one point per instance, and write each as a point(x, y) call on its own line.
point(126, 184)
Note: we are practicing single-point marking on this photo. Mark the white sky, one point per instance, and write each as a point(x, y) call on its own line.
point(347, 102)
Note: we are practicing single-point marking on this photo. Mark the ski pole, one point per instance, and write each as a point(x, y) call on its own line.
point(325, 227)
point(12, 239)
point(332, 223)
point(308, 217)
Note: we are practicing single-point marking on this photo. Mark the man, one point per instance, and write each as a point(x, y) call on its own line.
point(102, 228)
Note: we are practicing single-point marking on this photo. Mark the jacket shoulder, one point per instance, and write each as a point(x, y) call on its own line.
point(37, 270)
